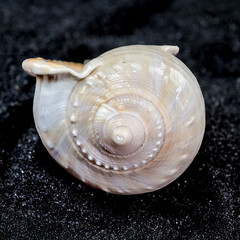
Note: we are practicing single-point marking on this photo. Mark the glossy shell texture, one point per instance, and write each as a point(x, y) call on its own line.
point(128, 122)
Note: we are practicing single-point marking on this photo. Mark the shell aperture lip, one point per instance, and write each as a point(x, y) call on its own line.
point(40, 66)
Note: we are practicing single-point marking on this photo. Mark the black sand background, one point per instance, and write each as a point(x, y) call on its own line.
point(40, 200)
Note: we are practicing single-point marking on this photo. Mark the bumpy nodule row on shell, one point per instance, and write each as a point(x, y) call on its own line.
point(128, 122)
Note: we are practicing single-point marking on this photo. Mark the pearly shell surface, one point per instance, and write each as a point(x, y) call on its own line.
point(129, 121)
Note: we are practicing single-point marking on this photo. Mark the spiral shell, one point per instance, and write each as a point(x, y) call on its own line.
point(128, 122)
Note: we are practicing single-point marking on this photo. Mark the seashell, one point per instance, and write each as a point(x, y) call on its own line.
point(129, 121)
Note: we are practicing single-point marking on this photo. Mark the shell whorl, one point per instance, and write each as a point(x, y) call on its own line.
point(113, 134)
point(131, 121)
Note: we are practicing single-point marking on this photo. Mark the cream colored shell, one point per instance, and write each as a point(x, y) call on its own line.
point(128, 122)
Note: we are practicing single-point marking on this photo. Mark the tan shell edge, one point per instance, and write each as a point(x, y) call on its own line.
point(40, 66)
